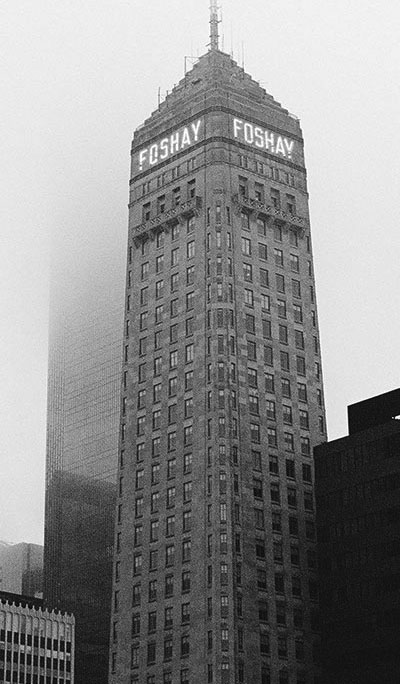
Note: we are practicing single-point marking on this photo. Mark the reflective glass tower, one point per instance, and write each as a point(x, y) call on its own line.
point(222, 403)
point(82, 451)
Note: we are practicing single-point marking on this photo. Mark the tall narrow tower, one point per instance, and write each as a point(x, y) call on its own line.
point(214, 565)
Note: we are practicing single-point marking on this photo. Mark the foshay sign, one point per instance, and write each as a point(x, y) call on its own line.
point(186, 136)
point(262, 138)
point(174, 143)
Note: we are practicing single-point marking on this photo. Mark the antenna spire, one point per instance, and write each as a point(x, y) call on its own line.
point(214, 21)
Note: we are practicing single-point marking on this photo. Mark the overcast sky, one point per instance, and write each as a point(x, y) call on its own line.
point(79, 76)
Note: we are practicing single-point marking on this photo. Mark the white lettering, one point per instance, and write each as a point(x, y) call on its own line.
point(174, 143)
point(262, 138)
point(289, 146)
point(279, 147)
point(195, 128)
point(269, 141)
point(237, 125)
point(142, 158)
point(153, 155)
point(249, 133)
point(185, 138)
point(258, 134)
point(164, 148)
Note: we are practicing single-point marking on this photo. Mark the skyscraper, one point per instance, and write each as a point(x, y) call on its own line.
point(82, 449)
point(214, 565)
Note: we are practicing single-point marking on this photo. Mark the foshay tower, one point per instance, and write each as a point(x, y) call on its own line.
point(214, 563)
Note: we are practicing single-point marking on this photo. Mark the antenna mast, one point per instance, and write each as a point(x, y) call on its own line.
point(214, 21)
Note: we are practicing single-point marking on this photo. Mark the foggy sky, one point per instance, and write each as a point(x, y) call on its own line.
point(79, 76)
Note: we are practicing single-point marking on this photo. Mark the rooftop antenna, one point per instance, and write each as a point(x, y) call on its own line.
point(214, 21)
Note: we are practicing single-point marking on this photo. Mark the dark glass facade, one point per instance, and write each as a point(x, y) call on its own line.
point(82, 439)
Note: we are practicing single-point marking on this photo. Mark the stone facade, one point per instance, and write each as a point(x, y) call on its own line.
point(214, 565)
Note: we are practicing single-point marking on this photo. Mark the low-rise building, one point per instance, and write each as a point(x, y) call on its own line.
point(36, 644)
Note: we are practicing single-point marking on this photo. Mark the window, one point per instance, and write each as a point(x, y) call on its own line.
point(255, 432)
point(275, 199)
point(159, 311)
point(169, 555)
point(186, 581)
point(159, 289)
point(143, 320)
point(293, 526)
point(187, 492)
point(174, 307)
point(246, 246)
point(144, 270)
point(190, 275)
point(304, 421)
point(261, 578)
point(284, 358)
point(252, 377)
point(265, 302)
point(288, 441)
point(296, 291)
point(141, 425)
point(272, 437)
point(189, 353)
point(190, 249)
point(299, 339)
point(294, 263)
point(171, 491)
point(278, 256)
point(264, 277)
point(248, 273)
point(270, 409)
point(292, 497)
point(174, 282)
point(281, 308)
point(251, 350)
point(144, 296)
point(261, 226)
point(300, 365)
point(276, 523)
point(305, 446)
point(188, 380)
point(297, 313)
point(273, 464)
point(173, 359)
point(275, 493)
point(189, 301)
point(287, 414)
point(187, 434)
point(186, 550)
point(262, 251)
point(187, 521)
point(253, 404)
point(283, 334)
point(249, 297)
point(169, 586)
point(170, 526)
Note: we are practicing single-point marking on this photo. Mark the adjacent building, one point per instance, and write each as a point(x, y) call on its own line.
point(222, 398)
point(36, 644)
point(358, 497)
point(82, 450)
point(21, 568)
